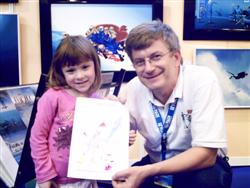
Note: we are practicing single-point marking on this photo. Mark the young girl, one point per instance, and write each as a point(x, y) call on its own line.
point(75, 71)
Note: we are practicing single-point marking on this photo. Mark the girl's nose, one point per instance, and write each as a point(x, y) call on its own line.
point(79, 74)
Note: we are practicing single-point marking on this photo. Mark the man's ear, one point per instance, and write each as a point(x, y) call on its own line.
point(177, 57)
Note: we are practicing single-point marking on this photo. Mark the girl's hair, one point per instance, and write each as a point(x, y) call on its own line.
point(143, 36)
point(71, 51)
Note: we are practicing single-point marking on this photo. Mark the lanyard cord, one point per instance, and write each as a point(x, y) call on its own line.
point(164, 127)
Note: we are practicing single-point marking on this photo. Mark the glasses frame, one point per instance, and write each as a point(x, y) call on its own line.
point(152, 59)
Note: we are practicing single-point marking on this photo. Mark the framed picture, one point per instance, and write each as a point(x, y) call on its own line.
point(232, 68)
point(10, 71)
point(105, 24)
point(8, 1)
point(216, 20)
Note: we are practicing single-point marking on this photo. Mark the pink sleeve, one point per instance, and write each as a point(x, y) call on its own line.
point(46, 111)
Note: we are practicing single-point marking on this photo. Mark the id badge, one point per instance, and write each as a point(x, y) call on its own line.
point(164, 181)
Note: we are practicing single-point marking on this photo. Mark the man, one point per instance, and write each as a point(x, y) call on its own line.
point(178, 109)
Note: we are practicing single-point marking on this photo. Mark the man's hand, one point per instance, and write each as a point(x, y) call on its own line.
point(129, 178)
point(48, 184)
point(132, 137)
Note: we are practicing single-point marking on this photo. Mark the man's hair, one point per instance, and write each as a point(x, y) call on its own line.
point(71, 51)
point(143, 35)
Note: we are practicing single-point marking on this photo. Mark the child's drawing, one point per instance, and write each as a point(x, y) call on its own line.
point(99, 145)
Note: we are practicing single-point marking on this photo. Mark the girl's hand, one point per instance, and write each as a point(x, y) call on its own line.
point(111, 97)
point(122, 100)
point(132, 137)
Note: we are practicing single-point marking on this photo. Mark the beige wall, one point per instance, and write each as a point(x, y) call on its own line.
point(238, 120)
point(28, 11)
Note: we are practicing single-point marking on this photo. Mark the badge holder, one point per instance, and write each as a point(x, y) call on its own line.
point(164, 181)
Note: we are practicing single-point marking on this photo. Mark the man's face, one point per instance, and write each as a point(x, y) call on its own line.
point(156, 66)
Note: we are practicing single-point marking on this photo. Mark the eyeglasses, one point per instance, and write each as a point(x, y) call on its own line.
point(152, 59)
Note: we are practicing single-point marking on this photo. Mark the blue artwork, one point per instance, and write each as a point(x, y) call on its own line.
point(9, 57)
point(12, 128)
point(222, 14)
point(107, 33)
point(108, 40)
point(16, 104)
point(232, 67)
point(57, 36)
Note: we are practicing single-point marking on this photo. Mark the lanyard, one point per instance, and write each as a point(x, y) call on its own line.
point(163, 127)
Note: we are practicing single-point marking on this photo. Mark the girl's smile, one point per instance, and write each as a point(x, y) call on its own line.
point(80, 77)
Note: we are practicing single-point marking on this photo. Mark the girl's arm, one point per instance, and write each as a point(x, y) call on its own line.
point(46, 110)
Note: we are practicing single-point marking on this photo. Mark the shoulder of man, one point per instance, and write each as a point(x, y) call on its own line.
point(199, 72)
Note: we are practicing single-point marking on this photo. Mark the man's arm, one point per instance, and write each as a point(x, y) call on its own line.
point(191, 159)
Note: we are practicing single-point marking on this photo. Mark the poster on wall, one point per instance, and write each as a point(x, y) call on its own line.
point(10, 72)
point(232, 68)
point(216, 20)
point(9, 1)
point(217, 14)
point(106, 32)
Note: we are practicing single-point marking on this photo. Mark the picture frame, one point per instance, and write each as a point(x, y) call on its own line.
point(9, 1)
point(216, 20)
point(10, 61)
point(90, 15)
point(232, 69)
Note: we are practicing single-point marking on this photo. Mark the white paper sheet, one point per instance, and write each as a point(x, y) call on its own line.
point(100, 137)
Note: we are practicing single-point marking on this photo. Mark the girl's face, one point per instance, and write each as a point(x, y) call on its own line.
point(80, 77)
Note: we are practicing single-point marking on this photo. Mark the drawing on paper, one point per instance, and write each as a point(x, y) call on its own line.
point(99, 145)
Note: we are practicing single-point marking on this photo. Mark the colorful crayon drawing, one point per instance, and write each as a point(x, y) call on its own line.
point(109, 40)
point(99, 144)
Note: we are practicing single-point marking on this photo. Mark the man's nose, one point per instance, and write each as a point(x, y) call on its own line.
point(148, 65)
